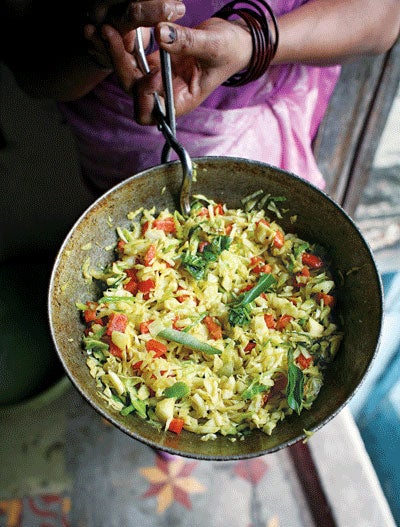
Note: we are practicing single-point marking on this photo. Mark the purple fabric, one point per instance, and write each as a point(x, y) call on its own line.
point(273, 119)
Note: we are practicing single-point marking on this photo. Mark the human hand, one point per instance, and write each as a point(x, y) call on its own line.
point(125, 17)
point(202, 59)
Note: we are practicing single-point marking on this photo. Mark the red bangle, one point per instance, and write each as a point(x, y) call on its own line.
point(254, 13)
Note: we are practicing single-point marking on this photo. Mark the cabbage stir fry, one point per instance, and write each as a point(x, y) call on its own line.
point(216, 323)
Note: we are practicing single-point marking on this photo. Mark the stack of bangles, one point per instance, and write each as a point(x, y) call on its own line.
point(265, 43)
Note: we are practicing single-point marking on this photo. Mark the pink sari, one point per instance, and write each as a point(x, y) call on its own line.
point(273, 119)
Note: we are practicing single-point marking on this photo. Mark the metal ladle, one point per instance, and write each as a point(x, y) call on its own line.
point(166, 121)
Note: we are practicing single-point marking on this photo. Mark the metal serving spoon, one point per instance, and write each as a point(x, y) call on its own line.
point(166, 121)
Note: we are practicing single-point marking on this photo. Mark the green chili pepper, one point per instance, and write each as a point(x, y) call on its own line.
point(188, 340)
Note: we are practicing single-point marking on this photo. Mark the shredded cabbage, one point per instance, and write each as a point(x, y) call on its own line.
point(249, 308)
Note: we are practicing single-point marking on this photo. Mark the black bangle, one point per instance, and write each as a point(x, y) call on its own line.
point(254, 14)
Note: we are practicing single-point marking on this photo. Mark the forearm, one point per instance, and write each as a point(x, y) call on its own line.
point(324, 32)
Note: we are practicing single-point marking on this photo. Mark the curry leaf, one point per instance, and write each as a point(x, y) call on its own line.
point(295, 385)
point(196, 264)
point(253, 390)
point(239, 312)
point(239, 315)
point(177, 390)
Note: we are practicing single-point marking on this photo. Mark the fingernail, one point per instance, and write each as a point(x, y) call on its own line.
point(174, 10)
point(180, 9)
point(168, 34)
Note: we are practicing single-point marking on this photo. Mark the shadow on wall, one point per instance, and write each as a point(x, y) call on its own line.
point(41, 193)
point(41, 197)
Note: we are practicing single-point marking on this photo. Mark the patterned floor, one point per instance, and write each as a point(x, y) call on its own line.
point(70, 456)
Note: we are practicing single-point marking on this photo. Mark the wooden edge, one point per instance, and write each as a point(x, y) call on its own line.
point(374, 125)
point(347, 475)
point(307, 473)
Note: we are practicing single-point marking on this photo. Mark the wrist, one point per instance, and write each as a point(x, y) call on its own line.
point(245, 44)
point(263, 28)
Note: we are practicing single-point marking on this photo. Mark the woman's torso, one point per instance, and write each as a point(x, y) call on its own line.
point(273, 119)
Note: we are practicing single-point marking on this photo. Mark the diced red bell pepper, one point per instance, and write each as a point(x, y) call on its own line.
point(203, 211)
point(150, 255)
point(120, 246)
point(167, 225)
point(158, 347)
point(214, 329)
point(144, 327)
point(146, 286)
point(114, 349)
point(90, 325)
point(270, 321)
point(328, 300)
point(175, 324)
point(303, 361)
point(117, 322)
point(182, 297)
point(312, 260)
point(263, 222)
point(202, 245)
point(90, 313)
point(228, 229)
point(262, 268)
point(283, 321)
point(137, 365)
point(132, 286)
point(249, 346)
point(145, 227)
point(176, 425)
point(132, 273)
point(218, 209)
point(254, 260)
point(279, 239)
point(304, 272)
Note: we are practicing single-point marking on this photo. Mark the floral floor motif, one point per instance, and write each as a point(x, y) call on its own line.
point(168, 487)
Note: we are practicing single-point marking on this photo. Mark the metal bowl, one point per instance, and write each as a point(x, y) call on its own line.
point(227, 180)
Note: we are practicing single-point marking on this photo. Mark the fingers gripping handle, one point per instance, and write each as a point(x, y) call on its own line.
point(166, 121)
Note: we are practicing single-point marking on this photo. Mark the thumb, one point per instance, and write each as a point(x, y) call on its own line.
point(185, 41)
